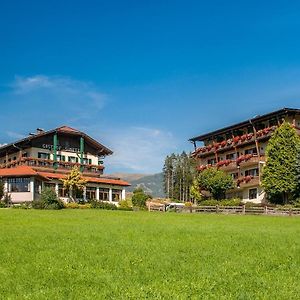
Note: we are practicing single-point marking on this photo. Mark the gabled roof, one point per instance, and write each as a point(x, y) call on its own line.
point(281, 112)
point(62, 129)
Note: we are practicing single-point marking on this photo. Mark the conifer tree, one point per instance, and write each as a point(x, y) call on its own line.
point(281, 174)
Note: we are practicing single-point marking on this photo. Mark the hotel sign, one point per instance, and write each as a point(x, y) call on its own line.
point(60, 148)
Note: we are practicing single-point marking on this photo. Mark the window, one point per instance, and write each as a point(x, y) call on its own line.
point(211, 161)
point(103, 194)
point(87, 161)
point(252, 193)
point(18, 184)
point(252, 172)
point(231, 156)
point(61, 158)
point(43, 155)
point(251, 151)
point(234, 175)
point(62, 192)
point(90, 193)
point(116, 195)
point(73, 159)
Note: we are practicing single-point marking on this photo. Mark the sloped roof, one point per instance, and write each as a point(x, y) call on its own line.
point(88, 179)
point(20, 171)
point(62, 129)
point(280, 112)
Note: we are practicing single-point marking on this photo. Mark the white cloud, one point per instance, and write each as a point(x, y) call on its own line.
point(52, 96)
point(139, 149)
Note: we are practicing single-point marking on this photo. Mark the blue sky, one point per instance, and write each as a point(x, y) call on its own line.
point(145, 76)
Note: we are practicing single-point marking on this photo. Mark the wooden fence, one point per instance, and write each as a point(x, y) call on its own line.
point(243, 210)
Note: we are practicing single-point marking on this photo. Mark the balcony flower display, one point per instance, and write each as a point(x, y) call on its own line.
point(244, 179)
point(236, 139)
point(223, 143)
point(225, 162)
point(243, 158)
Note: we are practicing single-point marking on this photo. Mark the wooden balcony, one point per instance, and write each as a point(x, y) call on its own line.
point(48, 165)
point(254, 160)
point(248, 181)
point(235, 142)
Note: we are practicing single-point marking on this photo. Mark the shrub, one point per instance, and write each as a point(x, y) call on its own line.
point(139, 198)
point(225, 202)
point(210, 202)
point(24, 205)
point(48, 200)
point(125, 204)
point(103, 205)
point(6, 201)
point(230, 202)
point(72, 205)
point(296, 203)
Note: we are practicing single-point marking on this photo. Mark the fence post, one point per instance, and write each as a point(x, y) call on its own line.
point(175, 208)
point(217, 208)
point(290, 212)
point(149, 208)
point(244, 209)
point(266, 210)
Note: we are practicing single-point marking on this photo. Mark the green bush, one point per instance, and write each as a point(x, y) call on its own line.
point(296, 203)
point(139, 198)
point(102, 205)
point(124, 204)
point(230, 202)
point(24, 205)
point(210, 202)
point(6, 201)
point(225, 202)
point(74, 205)
point(48, 200)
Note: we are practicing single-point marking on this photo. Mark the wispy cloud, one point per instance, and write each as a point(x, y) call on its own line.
point(15, 135)
point(139, 149)
point(44, 98)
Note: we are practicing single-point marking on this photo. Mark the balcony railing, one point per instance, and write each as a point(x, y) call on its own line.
point(242, 161)
point(236, 141)
point(247, 181)
point(46, 164)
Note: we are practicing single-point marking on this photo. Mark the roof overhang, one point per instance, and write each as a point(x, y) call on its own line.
point(256, 119)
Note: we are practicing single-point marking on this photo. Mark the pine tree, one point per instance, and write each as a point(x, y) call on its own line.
point(281, 173)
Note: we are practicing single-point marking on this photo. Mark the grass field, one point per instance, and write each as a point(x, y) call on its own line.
point(95, 254)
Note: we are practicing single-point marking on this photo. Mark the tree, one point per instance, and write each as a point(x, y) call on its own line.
point(195, 191)
point(179, 171)
point(281, 174)
point(74, 182)
point(215, 181)
point(139, 198)
point(48, 200)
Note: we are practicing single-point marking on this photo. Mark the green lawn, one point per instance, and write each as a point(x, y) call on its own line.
point(95, 254)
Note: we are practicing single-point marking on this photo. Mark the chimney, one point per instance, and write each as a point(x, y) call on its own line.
point(39, 130)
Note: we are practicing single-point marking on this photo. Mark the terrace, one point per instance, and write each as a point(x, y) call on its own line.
point(49, 165)
point(234, 142)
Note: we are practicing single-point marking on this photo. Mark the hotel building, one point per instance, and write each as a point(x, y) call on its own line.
point(239, 150)
point(44, 158)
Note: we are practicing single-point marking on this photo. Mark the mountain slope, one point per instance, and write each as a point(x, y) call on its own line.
point(151, 184)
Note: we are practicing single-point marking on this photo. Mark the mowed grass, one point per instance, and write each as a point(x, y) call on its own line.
point(95, 254)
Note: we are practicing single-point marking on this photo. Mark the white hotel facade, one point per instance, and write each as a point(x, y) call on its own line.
point(43, 159)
